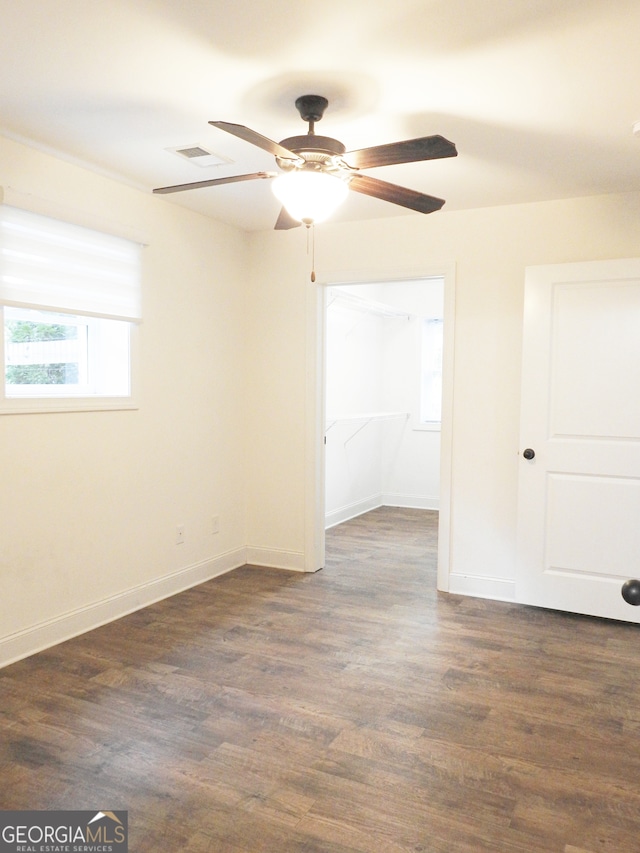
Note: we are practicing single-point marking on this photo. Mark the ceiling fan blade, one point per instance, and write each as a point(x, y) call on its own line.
point(214, 182)
point(395, 194)
point(254, 138)
point(286, 221)
point(409, 151)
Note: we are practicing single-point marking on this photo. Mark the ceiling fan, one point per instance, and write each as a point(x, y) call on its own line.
point(317, 172)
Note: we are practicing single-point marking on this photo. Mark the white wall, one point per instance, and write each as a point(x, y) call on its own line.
point(490, 249)
point(373, 366)
point(411, 456)
point(353, 451)
point(89, 502)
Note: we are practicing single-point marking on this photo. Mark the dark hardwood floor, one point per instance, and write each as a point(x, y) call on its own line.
point(351, 710)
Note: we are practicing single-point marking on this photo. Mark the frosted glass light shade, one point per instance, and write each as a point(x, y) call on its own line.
point(310, 196)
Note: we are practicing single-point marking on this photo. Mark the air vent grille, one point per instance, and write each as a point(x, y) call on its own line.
point(199, 155)
point(195, 151)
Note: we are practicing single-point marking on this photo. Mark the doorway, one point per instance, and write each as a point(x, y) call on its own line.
point(370, 416)
point(383, 394)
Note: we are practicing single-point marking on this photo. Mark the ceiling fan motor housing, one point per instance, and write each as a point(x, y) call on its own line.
point(312, 148)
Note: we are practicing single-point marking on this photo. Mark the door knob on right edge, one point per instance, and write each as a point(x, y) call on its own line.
point(631, 592)
point(528, 453)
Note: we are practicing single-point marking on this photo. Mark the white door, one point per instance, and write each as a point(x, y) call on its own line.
point(579, 496)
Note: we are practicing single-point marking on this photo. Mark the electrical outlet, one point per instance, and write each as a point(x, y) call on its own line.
point(215, 524)
point(180, 534)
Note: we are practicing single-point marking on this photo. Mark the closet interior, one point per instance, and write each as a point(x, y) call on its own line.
point(383, 394)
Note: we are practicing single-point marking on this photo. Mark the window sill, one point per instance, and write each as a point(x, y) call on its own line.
point(436, 426)
point(26, 406)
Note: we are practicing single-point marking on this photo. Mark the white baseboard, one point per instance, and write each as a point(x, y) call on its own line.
point(274, 559)
point(411, 501)
point(482, 587)
point(345, 513)
point(46, 634)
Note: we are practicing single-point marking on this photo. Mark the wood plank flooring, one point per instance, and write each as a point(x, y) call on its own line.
point(351, 711)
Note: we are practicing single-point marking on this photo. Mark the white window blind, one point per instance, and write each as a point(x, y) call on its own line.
point(56, 266)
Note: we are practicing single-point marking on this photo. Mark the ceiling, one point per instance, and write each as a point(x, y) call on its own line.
point(540, 96)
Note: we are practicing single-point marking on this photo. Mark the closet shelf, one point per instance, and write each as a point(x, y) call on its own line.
point(364, 419)
point(368, 305)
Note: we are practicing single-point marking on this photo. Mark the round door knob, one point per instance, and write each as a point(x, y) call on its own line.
point(631, 592)
point(529, 453)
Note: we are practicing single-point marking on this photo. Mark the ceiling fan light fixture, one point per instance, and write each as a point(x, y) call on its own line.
point(310, 196)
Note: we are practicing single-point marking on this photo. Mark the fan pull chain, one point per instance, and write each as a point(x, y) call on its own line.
point(311, 228)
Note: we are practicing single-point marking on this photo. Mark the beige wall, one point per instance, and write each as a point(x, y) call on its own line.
point(490, 249)
point(89, 502)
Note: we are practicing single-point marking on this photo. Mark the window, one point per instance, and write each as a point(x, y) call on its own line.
point(70, 302)
point(431, 373)
point(64, 355)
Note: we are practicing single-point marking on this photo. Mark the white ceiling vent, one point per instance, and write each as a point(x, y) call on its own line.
point(199, 156)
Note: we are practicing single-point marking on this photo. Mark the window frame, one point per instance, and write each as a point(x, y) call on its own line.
point(72, 402)
point(59, 402)
point(418, 423)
